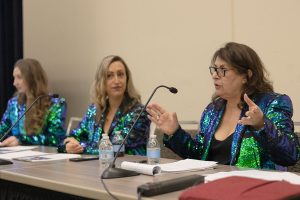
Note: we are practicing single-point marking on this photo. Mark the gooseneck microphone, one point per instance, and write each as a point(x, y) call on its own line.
point(39, 97)
point(111, 171)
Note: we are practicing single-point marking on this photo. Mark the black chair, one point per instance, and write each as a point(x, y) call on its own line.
point(166, 152)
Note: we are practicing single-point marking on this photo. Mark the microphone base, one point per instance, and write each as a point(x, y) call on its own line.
point(112, 172)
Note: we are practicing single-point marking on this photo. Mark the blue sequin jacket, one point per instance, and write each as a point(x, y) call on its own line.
point(51, 133)
point(89, 132)
point(273, 146)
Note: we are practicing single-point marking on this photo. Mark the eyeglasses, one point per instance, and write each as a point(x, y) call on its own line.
point(220, 71)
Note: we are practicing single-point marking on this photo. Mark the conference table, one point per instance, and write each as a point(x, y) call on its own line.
point(64, 179)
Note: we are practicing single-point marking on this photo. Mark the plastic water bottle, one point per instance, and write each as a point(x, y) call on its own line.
point(117, 141)
point(106, 153)
point(153, 150)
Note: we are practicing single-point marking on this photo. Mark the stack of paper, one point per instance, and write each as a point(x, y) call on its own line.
point(187, 165)
point(19, 154)
point(178, 166)
point(24, 153)
point(16, 148)
point(48, 157)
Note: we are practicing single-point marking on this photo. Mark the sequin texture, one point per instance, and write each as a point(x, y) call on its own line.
point(51, 133)
point(89, 132)
point(272, 147)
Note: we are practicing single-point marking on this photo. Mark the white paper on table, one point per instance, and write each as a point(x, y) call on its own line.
point(19, 154)
point(178, 166)
point(48, 157)
point(187, 165)
point(16, 148)
point(259, 174)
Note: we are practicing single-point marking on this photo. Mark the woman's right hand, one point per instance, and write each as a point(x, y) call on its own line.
point(165, 121)
point(72, 145)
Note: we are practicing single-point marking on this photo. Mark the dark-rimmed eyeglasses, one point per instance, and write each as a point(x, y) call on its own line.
point(221, 72)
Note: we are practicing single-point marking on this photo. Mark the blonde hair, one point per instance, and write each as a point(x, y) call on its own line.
point(36, 80)
point(98, 92)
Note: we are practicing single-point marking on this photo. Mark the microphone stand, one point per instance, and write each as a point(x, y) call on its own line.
point(3, 161)
point(111, 171)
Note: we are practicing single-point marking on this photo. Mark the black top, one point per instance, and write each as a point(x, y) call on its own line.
point(220, 150)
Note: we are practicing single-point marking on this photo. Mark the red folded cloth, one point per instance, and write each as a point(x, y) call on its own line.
point(236, 187)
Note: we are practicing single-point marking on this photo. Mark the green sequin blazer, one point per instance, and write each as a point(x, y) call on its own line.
point(52, 131)
point(274, 146)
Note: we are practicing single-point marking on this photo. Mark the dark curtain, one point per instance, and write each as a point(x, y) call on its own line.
point(11, 46)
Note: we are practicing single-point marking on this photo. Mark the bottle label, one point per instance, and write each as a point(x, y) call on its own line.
point(106, 155)
point(153, 153)
point(117, 146)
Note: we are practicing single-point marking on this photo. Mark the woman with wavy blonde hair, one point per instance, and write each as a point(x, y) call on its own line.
point(99, 93)
point(43, 124)
point(115, 104)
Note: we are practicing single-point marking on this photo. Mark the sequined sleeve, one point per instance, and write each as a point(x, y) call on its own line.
point(53, 130)
point(88, 133)
point(278, 137)
point(6, 121)
point(184, 145)
point(136, 142)
point(81, 133)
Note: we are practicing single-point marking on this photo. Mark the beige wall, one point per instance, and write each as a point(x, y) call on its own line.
point(163, 41)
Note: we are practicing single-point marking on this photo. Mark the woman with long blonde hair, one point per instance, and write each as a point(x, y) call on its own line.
point(43, 124)
point(115, 105)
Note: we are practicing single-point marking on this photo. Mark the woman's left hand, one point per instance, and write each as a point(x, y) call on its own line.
point(254, 116)
point(10, 141)
point(72, 145)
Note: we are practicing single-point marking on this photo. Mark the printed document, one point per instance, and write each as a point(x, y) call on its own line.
point(178, 166)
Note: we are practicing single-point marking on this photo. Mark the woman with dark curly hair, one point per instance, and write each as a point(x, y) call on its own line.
point(247, 124)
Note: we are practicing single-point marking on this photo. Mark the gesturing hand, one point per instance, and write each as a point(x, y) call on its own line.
point(165, 121)
point(254, 116)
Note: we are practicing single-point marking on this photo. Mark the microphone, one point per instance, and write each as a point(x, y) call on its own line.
point(161, 187)
point(39, 97)
point(111, 171)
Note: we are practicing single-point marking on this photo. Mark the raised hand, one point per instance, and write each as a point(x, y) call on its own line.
point(254, 116)
point(165, 121)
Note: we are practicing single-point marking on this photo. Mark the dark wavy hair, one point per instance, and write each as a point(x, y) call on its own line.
point(242, 58)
